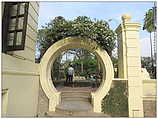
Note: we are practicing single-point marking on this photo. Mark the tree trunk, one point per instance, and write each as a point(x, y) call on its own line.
point(81, 66)
point(81, 61)
point(151, 49)
point(155, 47)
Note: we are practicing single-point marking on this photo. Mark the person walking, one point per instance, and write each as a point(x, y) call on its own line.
point(67, 77)
point(93, 79)
point(70, 74)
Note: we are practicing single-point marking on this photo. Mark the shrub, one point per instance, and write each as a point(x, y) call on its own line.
point(116, 102)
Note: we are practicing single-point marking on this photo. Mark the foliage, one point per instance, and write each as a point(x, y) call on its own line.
point(115, 65)
point(146, 62)
point(56, 71)
point(85, 61)
point(116, 102)
point(90, 66)
point(149, 21)
point(82, 26)
point(149, 25)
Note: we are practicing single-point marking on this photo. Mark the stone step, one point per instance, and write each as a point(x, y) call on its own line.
point(75, 93)
point(76, 98)
point(79, 114)
point(68, 107)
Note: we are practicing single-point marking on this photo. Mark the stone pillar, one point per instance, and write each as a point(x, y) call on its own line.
point(122, 72)
point(130, 63)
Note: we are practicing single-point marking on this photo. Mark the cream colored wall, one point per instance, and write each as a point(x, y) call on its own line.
point(21, 78)
point(20, 74)
point(130, 64)
point(149, 97)
point(122, 71)
point(4, 101)
point(22, 95)
point(149, 89)
point(140, 86)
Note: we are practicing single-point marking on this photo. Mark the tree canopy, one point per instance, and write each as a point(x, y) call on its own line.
point(149, 21)
point(60, 28)
point(151, 26)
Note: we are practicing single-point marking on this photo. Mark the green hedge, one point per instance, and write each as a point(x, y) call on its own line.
point(116, 102)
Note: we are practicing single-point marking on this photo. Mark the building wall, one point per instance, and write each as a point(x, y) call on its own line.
point(20, 74)
point(149, 97)
point(43, 103)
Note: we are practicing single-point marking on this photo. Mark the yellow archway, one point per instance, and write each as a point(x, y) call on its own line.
point(65, 44)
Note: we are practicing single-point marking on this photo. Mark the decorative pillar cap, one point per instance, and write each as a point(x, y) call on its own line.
point(126, 17)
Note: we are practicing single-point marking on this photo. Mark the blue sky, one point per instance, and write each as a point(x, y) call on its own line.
point(99, 10)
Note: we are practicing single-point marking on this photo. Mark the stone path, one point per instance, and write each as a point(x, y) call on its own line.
point(68, 88)
point(75, 103)
point(79, 114)
point(74, 106)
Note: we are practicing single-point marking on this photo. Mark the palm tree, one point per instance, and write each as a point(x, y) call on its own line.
point(155, 32)
point(149, 26)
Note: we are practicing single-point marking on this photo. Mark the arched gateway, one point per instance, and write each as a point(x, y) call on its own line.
point(65, 44)
point(19, 67)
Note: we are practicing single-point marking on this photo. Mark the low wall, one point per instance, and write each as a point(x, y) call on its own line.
point(149, 97)
point(20, 86)
point(43, 103)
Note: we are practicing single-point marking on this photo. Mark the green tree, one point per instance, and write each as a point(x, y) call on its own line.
point(82, 26)
point(150, 27)
point(90, 66)
point(146, 62)
point(80, 54)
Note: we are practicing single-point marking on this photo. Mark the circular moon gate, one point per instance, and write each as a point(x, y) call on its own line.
point(63, 45)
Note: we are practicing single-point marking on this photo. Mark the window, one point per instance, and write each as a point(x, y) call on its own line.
point(14, 25)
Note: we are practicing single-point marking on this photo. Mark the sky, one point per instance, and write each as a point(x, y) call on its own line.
point(99, 10)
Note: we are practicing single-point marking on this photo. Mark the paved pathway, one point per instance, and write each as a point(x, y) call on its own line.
point(73, 104)
point(75, 107)
point(79, 114)
point(68, 88)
